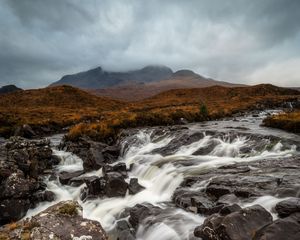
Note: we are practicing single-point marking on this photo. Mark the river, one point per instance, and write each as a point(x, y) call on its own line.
point(161, 168)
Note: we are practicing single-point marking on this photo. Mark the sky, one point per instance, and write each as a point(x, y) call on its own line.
point(239, 41)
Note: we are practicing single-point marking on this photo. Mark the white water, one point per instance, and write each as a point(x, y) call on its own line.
point(162, 175)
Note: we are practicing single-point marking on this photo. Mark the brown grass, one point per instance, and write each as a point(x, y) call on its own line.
point(101, 118)
point(286, 121)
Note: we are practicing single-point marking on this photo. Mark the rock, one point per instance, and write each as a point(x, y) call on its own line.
point(230, 209)
point(115, 185)
point(140, 211)
point(208, 231)
point(42, 196)
point(25, 131)
point(287, 207)
point(13, 209)
point(65, 177)
point(286, 228)
point(239, 225)
point(134, 187)
point(93, 154)
point(22, 162)
point(119, 167)
point(61, 221)
point(125, 231)
point(95, 186)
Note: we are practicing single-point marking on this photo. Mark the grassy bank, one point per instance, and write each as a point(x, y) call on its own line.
point(286, 121)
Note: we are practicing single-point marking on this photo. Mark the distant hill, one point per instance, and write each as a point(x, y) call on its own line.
point(178, 80)
point(52, 107)
point(99, 78)
point(57, 97)
point(9, 89)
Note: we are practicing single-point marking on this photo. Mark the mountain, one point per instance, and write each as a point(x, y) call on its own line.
point(9, 89)
point(99, 78)
point(178, 80)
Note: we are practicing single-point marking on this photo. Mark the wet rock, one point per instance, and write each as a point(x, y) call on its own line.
point(230, 209)
point(25, 131)
point(286, 228)
point(94, 154)
point(141, 211)
point(42, 196)
point(177, 142)
point(134, 187)
point(240, 225)
point(95, 186)
point(65, 177)
point(125, 231)
point(21, 163)
point(119, 167)
point(61, 221)
point(287, 207)
point(13, 209)
point(115, 185)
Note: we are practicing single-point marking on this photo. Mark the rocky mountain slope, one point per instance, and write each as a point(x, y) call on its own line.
point(99, 78)
point(178, 80)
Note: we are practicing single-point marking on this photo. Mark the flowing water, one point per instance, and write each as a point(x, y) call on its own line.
point(221, 142)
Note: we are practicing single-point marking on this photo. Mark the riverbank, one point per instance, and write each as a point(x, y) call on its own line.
point(289, 121)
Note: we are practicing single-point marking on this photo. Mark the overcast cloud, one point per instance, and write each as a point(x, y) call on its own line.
point(239, 41)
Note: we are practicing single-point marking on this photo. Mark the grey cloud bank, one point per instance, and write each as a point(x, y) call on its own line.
point(239, 41)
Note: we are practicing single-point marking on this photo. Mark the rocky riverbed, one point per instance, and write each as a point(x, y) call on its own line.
point(229, 179)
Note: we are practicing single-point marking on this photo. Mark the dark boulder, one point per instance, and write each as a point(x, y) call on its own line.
point(134, 187)
point(230, 209)
point(239, 225)
point(13, 209)
point(22, 162)
point(141, 211)
point(93, 154)
point(115, 185)
point(95, 186)
point(25, 131)
point(119, 167)
point(287, 207)
point(286, 228)
point(65, 177)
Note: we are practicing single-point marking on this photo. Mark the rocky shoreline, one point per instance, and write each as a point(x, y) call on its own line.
point(227, 195)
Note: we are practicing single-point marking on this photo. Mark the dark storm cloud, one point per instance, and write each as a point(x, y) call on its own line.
point(234, 40)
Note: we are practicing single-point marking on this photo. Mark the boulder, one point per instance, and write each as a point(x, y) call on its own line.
point(141, 211)
point(95, 186)
point(25, 131)
point(287, 207)
point(93, 154)
point(239, 225)
point(22, 161)
point(134, 187)
point(230, 209)
point(13, 209)
point(61, 221)
point(115, 185)
point(65, 177)
point(286, 228)
point(119, 167)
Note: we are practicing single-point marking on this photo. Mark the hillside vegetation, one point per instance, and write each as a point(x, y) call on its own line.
point(287, 121)
point(101, 118)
